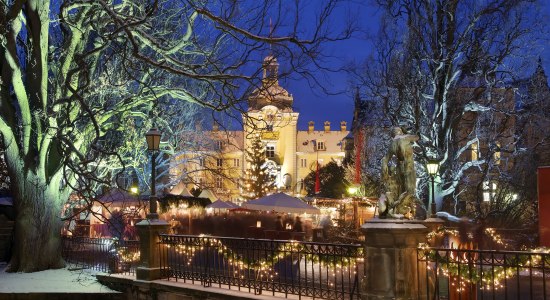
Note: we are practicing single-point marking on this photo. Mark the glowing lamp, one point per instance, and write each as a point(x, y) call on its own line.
point(153, 139)
point(432, 166)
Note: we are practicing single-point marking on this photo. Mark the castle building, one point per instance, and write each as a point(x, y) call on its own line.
point(291, 154)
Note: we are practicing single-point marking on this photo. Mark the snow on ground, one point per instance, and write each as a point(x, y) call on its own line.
point(51, 281)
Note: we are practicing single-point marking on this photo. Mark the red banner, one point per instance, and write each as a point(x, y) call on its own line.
point(544, 205)
point(317, 180)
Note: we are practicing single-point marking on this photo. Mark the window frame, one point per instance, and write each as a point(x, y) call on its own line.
point(320, 146)
point(270, 151)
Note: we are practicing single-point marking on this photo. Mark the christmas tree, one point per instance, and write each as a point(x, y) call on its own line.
point(257, 180)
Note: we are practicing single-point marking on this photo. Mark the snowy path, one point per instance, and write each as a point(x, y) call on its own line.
point(51, 281)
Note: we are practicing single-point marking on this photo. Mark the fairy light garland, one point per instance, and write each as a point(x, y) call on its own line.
point(264, 268)
point(462, 270)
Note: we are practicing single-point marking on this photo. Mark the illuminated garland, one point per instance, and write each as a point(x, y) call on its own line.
point(264, 267)
point(490, 232)
point(463, 271)
point(127, 256)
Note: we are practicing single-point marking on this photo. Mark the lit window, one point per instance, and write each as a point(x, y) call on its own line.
point(303, 162)
point(496, 155)
point(320, 146)
point(219, 162)
point(236, 162)
point(474, 151)
point(489, 190)
point(270, 151)
point(219, 182)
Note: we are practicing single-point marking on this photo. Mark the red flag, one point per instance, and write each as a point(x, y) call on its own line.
point(317, 180)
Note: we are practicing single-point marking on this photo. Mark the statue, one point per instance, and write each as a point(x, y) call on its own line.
point(399, 178)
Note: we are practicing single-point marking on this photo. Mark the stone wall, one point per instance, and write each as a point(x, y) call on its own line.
point(170, 290)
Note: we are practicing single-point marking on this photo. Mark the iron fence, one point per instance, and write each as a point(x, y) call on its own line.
point(483, 274)
point(319, 270)
point(102, 254)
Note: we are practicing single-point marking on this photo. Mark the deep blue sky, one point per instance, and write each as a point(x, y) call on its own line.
point(312, 103)
point(316, 106)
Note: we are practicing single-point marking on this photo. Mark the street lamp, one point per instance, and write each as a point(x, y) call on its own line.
point(432, 166)
point(153, 141)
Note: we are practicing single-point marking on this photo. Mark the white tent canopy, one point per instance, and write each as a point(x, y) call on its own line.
point(233, 205)
point(206, 193)
point(219, 204)
point(179, 189)
point(281, 202)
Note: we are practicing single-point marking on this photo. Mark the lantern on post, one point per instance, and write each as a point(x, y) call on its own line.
point(432, 167)
point(153, 143)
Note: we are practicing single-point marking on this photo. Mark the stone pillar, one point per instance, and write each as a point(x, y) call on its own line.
point(149, 260)
point(391, 269)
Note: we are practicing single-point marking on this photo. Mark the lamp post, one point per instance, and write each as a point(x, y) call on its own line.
point(432, 166)
point(150, 262)
point(153, 142)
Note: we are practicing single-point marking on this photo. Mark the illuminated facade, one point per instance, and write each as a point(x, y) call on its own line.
point(291, 154)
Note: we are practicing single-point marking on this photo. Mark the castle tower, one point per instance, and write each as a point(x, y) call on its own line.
point(270, 115)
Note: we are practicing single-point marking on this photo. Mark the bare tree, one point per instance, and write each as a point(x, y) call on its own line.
point(73, 72)
point(442, 70)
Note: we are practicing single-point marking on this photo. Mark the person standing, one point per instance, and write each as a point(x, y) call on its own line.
point(298, 225)
point(279, 224)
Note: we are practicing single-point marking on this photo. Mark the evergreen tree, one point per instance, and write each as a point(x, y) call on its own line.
point(333, 181)
point(257, 181)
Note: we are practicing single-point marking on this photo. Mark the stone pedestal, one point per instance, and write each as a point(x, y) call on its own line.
point(433, 223)
point(392, 271)
point(149, 261)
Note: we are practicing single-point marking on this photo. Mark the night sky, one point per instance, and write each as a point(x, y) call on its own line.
point(316, 106)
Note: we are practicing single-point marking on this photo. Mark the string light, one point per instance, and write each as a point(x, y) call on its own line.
point(464, 269)
point(264, 268)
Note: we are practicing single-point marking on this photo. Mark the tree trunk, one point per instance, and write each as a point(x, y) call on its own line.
point(37, 239)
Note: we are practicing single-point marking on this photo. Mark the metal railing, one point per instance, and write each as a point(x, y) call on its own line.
point(319, 270)
point(102, 254)
point(483, 274)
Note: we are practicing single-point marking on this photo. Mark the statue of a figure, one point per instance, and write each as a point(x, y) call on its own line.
point(399, 177)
